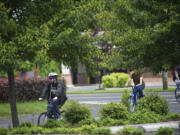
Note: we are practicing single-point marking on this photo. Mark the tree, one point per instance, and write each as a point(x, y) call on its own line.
point(50, 28)
point(146, 33)
point(148, 36)
point(21, 39)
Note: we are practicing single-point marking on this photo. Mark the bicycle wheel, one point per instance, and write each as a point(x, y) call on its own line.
point(177, 95)
point(132, 107)
point(42, 118)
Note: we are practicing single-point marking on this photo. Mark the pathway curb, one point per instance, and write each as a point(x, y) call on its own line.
point(150, 127)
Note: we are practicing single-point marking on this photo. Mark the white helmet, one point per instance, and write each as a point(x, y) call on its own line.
point(53, 74)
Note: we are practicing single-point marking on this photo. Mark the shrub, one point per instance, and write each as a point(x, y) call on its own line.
point(75, 112)
point(112, 122)
point(26, 124)
point(125, 100)
point(102, 131)
point(20, 130)
point(4, 131)
point(51, 123)
point(171, 117)
point(36, 130)
point(144, 116)
point(165, 131)
point(92, 129)
point(131, 131)
point(87, 129)
point(115, 80)
point(114, 111)
point(108, 81)
point(154, 103)
point(26, 89)
point(121, 79)
point(88, 121)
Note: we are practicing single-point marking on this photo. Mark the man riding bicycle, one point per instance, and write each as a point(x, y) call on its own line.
point(139, 84)
point(56, 95)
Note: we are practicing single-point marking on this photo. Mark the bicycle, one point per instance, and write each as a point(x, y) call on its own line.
point(44, 116)
point(133, 103)
point(177, 95)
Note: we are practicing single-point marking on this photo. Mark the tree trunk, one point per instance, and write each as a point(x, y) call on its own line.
point(165, 80)
point(12, 98)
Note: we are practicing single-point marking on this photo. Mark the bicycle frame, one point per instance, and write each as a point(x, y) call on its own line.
point(133, 100)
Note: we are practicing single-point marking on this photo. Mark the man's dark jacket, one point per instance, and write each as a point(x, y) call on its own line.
point(60, 92)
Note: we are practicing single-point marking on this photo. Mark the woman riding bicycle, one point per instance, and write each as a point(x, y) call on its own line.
point(56, 95)
point(176, 76)
point(139, 84)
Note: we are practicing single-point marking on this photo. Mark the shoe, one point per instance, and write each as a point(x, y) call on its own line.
point(59, 118)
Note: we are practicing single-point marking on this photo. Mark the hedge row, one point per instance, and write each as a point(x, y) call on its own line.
point(26, 89)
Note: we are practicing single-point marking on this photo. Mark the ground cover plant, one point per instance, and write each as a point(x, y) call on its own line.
point(131, 131)
point(165, 131)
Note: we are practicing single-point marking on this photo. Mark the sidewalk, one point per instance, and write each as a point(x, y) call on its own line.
point(96, 86)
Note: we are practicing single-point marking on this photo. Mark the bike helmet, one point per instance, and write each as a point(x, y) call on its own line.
point(53, 74)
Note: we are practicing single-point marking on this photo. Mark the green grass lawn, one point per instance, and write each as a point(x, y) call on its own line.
point(35, 107)
point(120, 91)
point(24, 108)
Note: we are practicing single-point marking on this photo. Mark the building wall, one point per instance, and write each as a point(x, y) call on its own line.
point(149, 77)
point(82, 77)
point(66, 74)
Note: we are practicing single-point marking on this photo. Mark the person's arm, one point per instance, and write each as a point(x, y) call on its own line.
point(44, 92)
point(176, 74)
point(128, 81)
point(59, 90)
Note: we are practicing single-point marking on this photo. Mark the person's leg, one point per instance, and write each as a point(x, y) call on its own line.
point(140, 89)
point(50, 109)
point(56, 110)
point(177, 84)
point(133, 94)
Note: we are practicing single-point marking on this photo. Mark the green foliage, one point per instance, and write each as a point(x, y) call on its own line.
point(165, 131)
point(102, 131)
point(4, 131)
point(26, 124)
point(48, 67)
point(131, 131)
point(51, 123)
point(121, 78)
point(155, 103)
point(115, 80)
point(75, 112)
point(114, 111)
point(108, 81)
point(171, 117)
point(89, 121)
point(125, 100)
point(87, 129)
point(144, 116)
point(112, 122)
point(21, 130)
point(147, 32)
